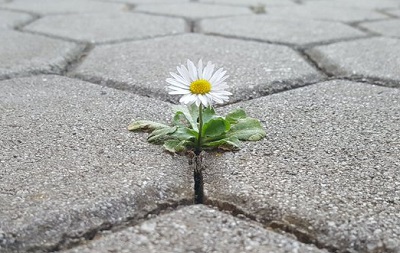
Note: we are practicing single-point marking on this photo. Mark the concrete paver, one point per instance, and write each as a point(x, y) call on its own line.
point(64, 6)
point(10, 19)
point(101, 27)
point(142, 66)
point(327, 168)
point(193, 11)
point(22, 54)
point(69, 165)
point(386, 27)
point(196, 229)
point(264, 3)
point(298, 32)
point(359, 4)
point(150, 1)
point(361, 59)
point(312, 11)
point(394, 12)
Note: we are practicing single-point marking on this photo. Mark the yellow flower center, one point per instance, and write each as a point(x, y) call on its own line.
point(200, 86)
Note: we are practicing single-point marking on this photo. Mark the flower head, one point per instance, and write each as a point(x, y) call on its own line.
point(198, 85)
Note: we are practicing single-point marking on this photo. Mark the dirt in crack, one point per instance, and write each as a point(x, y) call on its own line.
point(196, 162)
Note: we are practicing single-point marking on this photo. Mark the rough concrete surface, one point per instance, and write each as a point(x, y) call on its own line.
point(300, 32)
point(9, 19)
point(64, 6)
point(69, 166)
point(359, 4)
point(22, 53)
point(254, 68)
point(361, 59)
point(207, 229)
point(394, 12)
point(386, 27)
point(312, 11)
point(264, 3)
point(327, 170)
point(109, 27)
point(193, 11)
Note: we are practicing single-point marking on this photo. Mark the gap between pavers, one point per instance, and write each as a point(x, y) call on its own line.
point(327, 170)
point(70, 167)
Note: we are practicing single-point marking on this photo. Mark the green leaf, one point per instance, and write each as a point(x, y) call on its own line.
point(208, 113)
point(159, 136)
point(215, 127)
point(189, 113)
point(175, 146)
point(236, 115)
point(230, 143)
point(145, 125)
point(184, 133)
point(247, 129)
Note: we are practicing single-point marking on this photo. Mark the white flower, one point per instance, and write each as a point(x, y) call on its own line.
point(198, 85)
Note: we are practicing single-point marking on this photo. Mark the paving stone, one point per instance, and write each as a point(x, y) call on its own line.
point(21, 54)
point(142, 66)
point(394, 12)
point(64, 6)
point(299, 32)
point(193, 10)
point(310, 11)
point(70, 166)
point(386, 27)
point(150, 1)
point(196, 229)
point(358, 4)
point(10, 19)
point(265, 3)
point(374, 58)
point(100, 27)
point(327, 170)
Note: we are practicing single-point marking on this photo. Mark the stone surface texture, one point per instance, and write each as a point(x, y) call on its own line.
point(318, 12)
point(23, 53)
point(362, 59)
point(193, 11)
point(394, 12)
point(263, 3)
point(193, 229)
point(68, 164)
point(109, 27)
point(273, 29)
point(9, 19)
point(64, 6)
point(385, 27)
point(359, 4)
point(327, 168)
point(254, 68)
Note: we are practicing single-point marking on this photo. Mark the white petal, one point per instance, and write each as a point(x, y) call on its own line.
point(179, 92)
point(175, 88)
point(184, 73)
point(203, 100)
point(179, 78)
point(192, 70)
point(216, 75)
point(176, 83)
point(200, 69)
point(208, 70)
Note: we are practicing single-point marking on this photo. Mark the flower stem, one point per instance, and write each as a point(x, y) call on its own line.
point(198, 146)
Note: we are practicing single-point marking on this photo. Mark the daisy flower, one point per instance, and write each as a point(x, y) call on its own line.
point(200, 86)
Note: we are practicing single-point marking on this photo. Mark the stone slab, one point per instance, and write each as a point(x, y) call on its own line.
point(374, 58)
point(318, 12)
point(142, 66)
point(385, 27)
point(327, 169)
point(394, 12)
point(69, 166)
point(22, 54)
point(196, 229)
point(107, 27)
point(10, 19)
point(264, 3)
point(193, 11)
point(298, 32)
point(44, 7)
point(358, 4)
point(150, 1)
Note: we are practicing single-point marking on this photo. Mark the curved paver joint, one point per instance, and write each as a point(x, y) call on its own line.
point(375, 58)
point(327, 169)
point(298, 32)
point(196, 229)
point(385, 27)
point(70, 167)
point(23, 54)
point(10, 19)
point(107, 27)
point(254, 68)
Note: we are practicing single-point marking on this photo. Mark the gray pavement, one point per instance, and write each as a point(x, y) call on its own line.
point(321, 75)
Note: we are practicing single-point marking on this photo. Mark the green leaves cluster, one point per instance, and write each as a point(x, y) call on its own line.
point(217, 132)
